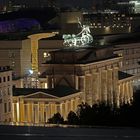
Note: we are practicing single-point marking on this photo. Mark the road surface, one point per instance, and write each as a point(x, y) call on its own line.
point(58, 133)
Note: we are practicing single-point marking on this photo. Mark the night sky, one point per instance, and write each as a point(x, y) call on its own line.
point(82, 3)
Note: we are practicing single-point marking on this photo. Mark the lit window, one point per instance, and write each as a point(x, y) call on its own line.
point(45, 54)
point(123, 15)
point(127, 62)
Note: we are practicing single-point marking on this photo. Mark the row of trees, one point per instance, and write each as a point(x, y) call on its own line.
point(102, 114)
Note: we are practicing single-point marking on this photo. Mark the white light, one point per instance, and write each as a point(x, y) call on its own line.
point(31, 71)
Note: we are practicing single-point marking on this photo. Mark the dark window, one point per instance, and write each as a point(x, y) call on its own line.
point(4, 79)
point(8, 78)
point(0, 101)
point(5, 107)
point(9, 107)
point(0, 80)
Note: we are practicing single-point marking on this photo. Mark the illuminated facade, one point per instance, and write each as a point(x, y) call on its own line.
point(131, 59)
point(5, 94)
point(136, 5)
point(74, 76)
point(17, 54)
point(108, 22)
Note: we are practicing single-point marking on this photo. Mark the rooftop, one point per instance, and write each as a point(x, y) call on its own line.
point(59, 91)
point(123, 75)
point(82, 55)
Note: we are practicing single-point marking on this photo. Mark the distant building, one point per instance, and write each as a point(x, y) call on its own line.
point(109, 22)
point(128, 47)
point(6, 94)
point(130, 6)
point(136, 5)
point(17, 54)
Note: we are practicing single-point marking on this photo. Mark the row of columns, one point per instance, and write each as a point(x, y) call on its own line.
point(41, 112)
point(103, 86)
point(125, 92)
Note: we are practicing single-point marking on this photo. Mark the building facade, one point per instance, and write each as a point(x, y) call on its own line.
point(6, 94)
point(89, 75)
point(18, 55)
point(131, 59)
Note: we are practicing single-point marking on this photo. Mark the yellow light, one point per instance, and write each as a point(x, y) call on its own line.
point(17, 105)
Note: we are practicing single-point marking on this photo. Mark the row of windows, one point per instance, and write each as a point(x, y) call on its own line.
point(132, 61)
point(133, 71)
point(108, 26)
point(131, 51)
point(4, 79)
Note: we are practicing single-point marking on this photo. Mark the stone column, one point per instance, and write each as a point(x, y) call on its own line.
point(115, 85)
point(21, 104)
point(77, 82)
point(104, 86)
point(121, 93)
point(96, 88)
point(77, 102)
point(41, 112)
point(30, 112)
point(36, 116)
point(67, 107)
point(72, 104)
point(14, 112)
point(88, 89)
point(52, 109)
point(81, 87)
point(110, 86)
point(63, 110)
point(48, 113)
point(125, 92)
point(131, 90)
point(17, 112)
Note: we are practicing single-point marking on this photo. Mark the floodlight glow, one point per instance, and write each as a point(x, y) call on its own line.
point(31, 71)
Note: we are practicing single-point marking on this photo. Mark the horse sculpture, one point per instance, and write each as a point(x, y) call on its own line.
point(81, 39)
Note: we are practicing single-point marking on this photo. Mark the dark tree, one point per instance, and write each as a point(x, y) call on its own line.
point(72, 118)
point(56, 119)
point(85, 114)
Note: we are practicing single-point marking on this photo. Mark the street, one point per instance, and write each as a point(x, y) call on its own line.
point(58, 133)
